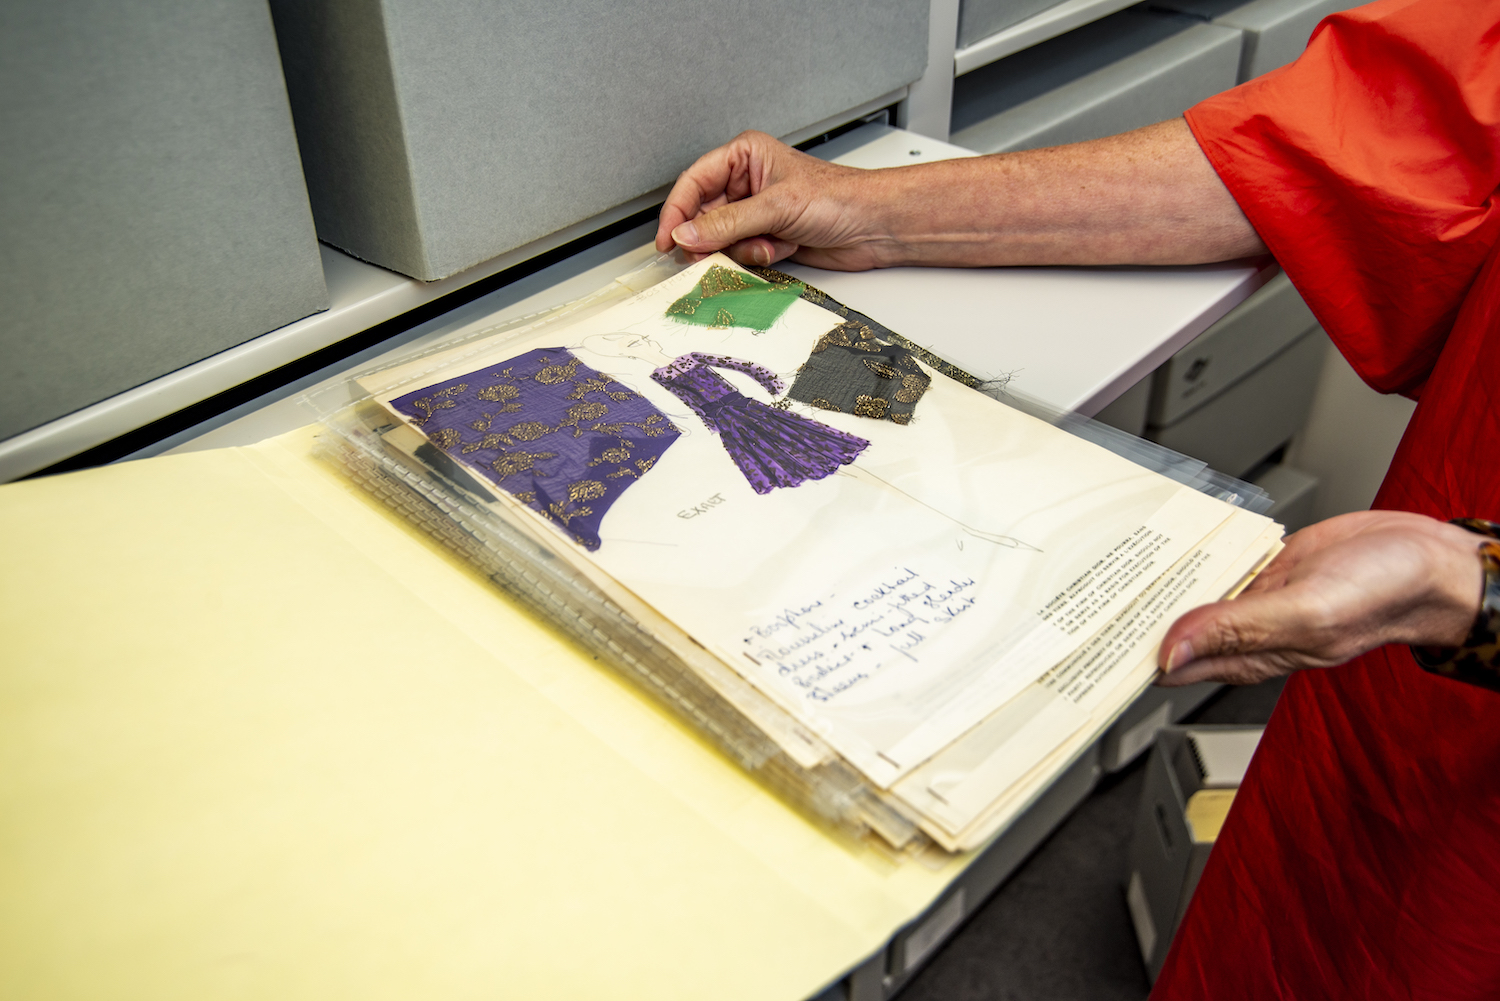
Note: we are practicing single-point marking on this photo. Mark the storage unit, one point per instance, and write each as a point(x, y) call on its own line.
point(1242, 426)
point(1119, 73)
point(153, 207)
point(1240, 390)
point(885, 973)
point(1134, 732)
point(436, 138)
point(1247, 337)
point(1276, 31)
point(1295, 494)
point(1169, 851)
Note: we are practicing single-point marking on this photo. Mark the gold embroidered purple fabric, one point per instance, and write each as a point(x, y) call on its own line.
point(559, 436)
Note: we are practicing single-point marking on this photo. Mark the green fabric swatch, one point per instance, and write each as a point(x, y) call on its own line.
point(725, 298)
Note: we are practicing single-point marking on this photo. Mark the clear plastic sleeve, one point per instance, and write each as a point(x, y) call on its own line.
point(437, 496)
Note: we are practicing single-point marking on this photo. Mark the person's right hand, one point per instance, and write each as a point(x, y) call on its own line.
point(1339, 588)
point(760, 201)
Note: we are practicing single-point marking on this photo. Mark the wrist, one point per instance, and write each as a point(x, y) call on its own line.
point(1474, 658)
point(881, 200)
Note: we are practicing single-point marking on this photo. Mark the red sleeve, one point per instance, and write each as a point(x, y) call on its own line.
point(1369, 168)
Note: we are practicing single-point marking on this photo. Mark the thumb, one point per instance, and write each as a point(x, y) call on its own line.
point(1256, 636)
point(758, 215)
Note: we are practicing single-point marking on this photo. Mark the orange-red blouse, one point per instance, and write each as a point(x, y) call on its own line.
point(1362, 856)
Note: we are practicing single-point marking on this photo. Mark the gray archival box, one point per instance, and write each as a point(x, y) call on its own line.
point(153, 208)
point(437, 137)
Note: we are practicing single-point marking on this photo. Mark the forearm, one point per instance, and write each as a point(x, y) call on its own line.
point(1144, 197)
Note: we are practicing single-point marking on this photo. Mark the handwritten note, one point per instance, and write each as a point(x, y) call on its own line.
point(829, 646)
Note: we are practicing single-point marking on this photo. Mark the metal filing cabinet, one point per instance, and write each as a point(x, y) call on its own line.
point(1242, 426)
point(882, 975)
point(1130, 69)
point(1251, 334)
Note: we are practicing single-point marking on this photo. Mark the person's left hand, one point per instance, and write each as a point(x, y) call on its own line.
point(1339, 588)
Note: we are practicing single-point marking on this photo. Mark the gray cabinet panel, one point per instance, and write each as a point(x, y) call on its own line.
point(1251, 333)
point(978, 19)
point(436, 135)
point(1240, 427)
point(1276, 31)
point(1124, 71)
point(153, 206)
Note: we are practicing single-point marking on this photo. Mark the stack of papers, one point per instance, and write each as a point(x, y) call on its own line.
point(904, 604)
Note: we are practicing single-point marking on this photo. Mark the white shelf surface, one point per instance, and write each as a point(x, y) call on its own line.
point(1049, 23)
point(1074, 338)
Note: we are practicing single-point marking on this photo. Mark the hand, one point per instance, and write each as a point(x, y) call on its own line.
point(1339, 588)
point(1144, 197)
point(759, 201)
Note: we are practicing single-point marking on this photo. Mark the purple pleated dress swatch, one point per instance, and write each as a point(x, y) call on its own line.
point(773, 448)
point(559, 436)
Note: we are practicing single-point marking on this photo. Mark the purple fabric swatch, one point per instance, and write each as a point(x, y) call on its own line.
point(773, 448)
point(560, 437)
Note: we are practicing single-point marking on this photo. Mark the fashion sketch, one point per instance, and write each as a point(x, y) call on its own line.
point(770, 446)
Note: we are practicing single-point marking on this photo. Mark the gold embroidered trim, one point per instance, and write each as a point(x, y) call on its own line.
point(585, 490)
point(718, 279)
point(499, 394)
point(615, 455)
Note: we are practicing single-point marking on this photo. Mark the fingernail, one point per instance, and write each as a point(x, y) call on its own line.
point(1181, 655)
point(685, 234)
point(761, 254)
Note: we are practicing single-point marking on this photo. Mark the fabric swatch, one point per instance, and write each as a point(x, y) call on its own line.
point(820, 298)
point(727, 298)
point(850, 371)
point(772, 448)
point(559, 436)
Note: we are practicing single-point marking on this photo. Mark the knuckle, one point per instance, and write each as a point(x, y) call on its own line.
point(1236, 636)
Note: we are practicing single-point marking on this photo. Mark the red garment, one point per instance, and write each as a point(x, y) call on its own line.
point(1362, 856)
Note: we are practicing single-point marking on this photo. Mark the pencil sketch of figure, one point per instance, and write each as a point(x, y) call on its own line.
point(772, 448)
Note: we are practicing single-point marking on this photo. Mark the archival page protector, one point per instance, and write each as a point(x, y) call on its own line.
point(901, 590)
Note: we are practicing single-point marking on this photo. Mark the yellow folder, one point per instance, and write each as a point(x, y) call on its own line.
point(258, 738)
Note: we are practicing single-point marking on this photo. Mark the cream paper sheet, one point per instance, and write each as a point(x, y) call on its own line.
point(868, 604)
point(969, 790)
